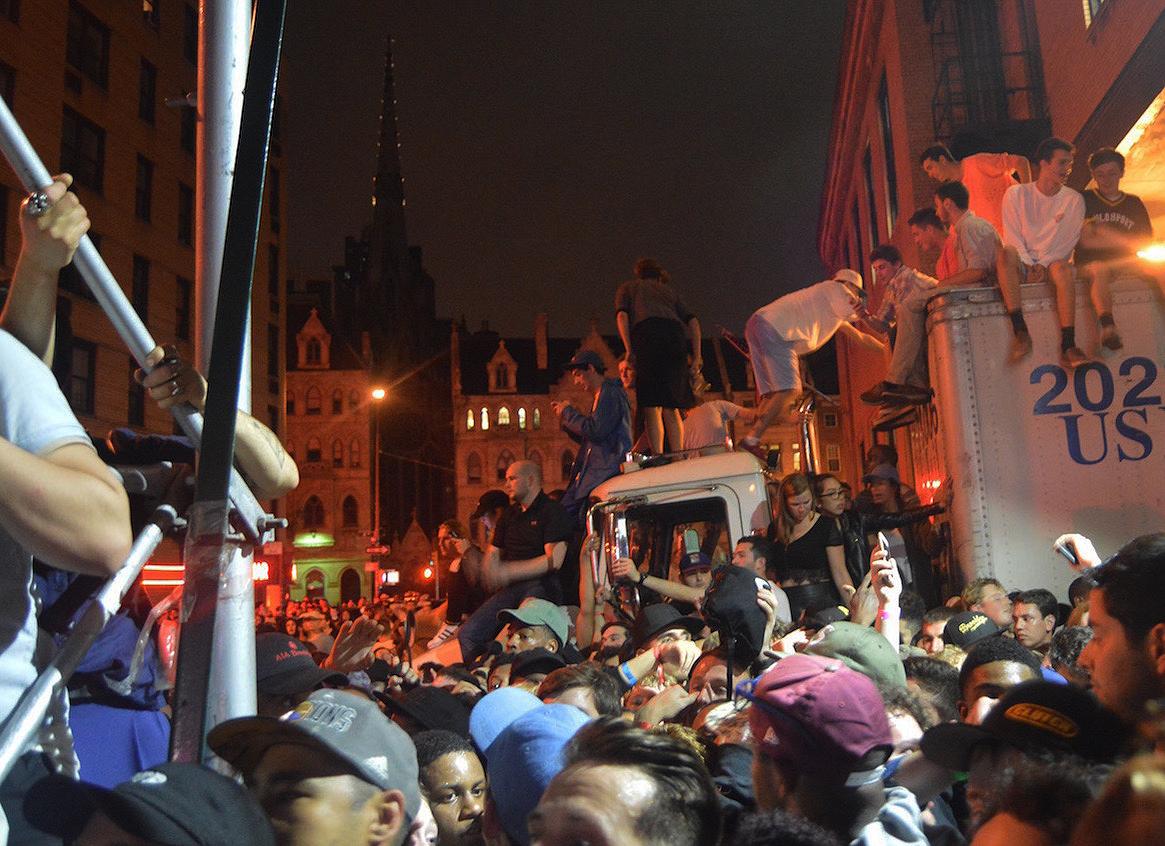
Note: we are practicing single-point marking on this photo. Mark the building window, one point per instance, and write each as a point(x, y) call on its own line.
point(141, 288)
point(473, 469)
point(484, 418)
point(136, 398)
point(7, 80)
point(829, 419)
point(185, 214)
point(274, 285)
point(354, 457)
point(537, 418)
point(888, 155)
point(83, 150)
point(521, 418)
point(566, 464)
point(185, 289)
point(337, 453)
point(353, 400)
point(313, 513)
point(469, 421)
point(290, 447)
point(143, 189)
point(1092, 11)
point(147, 91)
point(314, 401)
point(796, 450)
point(504, 461)
point(350, 512)
point(274, 199)
point(315, 351)
point(190, 33)
point(273, 418)
point(82, 376)
point(150, 16)
point(503, 416)
point(273, 354)
point(290, 404)
point(337, 401)
point(871, 201)
point(276, 127)
point(87, 45)
point(187, 128)
point(833, 458)
point(315, 451)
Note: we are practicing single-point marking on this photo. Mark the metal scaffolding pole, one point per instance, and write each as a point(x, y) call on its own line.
point(206, 695)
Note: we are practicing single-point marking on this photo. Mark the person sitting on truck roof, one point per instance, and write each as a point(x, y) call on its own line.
point(1041, 225)
point(903, 309)
point(794, 325)
point(974, 242)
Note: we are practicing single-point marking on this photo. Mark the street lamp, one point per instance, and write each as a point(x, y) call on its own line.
point(377, 395)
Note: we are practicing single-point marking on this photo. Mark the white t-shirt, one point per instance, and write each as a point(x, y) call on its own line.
point(1042, 229)
point(810, 317)
point(35, 417)
point(707, 424)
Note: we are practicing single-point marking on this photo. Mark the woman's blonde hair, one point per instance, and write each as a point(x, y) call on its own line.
point(794, 484)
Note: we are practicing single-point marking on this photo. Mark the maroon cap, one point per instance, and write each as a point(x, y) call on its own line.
point(818, 715)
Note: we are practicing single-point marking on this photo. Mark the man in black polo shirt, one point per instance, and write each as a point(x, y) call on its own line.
point(529, 545)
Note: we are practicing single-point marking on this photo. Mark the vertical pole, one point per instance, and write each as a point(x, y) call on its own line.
point(376, 482)
point(223, 48)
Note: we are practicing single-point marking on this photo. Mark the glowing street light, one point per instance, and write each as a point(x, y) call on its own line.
point(378, 394)
point(1153, 253)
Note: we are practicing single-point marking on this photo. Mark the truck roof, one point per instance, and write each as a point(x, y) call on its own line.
point(710, 468)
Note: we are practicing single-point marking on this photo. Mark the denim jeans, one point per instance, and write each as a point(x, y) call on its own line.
point(483, 625)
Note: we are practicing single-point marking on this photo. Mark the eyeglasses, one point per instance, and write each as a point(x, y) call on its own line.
point(832, 494)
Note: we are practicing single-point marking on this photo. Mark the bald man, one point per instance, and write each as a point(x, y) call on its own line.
point(528, 548)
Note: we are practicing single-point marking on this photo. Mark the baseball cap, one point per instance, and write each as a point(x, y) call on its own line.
point(283, 666)
point(818, 715)
point(524, 757)
point(1035, 715)
point(495, 711)
point(586, 358)
point(968, 628)
point(176, 804)
point(535, 661)
point(489, 501)
point(850, 276)
point(887, 472)
point(539, 612)
point(347, 728)
point(694, 562)
point(862, 649)
point(653, 619)
point(432, 708)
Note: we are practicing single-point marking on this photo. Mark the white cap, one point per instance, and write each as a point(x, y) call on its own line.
point(850, 276)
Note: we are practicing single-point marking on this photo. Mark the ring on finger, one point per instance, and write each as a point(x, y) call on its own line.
point(37, 204)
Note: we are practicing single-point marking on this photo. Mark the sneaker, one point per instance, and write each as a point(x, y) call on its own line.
point(1072, 358)
point(1021, 348)
point(874, 395)
point(896, 394)
point(444, 634)
point(1109, 338)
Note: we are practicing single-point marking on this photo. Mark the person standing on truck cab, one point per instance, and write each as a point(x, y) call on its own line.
point(1041, 225)
point(794, 325)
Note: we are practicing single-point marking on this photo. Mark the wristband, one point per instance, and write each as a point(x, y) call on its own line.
point(625, 674)
point(642, 577)
point(885, 614)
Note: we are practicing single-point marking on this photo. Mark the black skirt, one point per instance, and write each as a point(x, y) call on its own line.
point(661, 364)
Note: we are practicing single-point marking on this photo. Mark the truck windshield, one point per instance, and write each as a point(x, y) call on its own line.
point(663, 534)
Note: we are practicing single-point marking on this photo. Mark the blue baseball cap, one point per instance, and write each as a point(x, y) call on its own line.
point(495, 711)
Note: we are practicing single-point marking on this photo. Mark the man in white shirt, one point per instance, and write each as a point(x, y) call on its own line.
point(1041, 225)
point(706, 426)
point(779, 333)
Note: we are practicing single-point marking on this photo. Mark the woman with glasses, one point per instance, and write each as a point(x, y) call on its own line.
point(810, 564)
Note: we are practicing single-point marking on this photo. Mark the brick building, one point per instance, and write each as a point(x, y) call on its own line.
point(977, 76)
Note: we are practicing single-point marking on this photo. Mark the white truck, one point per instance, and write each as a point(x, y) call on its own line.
point(1032, 450)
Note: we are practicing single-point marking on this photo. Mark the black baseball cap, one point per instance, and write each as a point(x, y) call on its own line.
point(284, 666)
point(1032, 716)
point(654, 619)
point(966, 629)
point(175, 804)
point(489, 501)
point(347, 728)
point(432, 708)
point(536, 660)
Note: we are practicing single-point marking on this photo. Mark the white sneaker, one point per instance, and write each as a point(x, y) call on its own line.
point(446, 632)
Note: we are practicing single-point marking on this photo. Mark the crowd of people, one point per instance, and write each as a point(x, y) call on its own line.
point(824, 683)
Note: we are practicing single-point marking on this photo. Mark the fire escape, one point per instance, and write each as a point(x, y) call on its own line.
point(989, 90)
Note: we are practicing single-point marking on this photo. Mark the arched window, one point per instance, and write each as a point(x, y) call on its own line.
point(290, 404)
point(504, 461)
point(521, 418)
point(503, 376)
point(337, 453)
point(536, 457)
point(354, 453)
point(567, 462)
point(313, 513)
point(337, 401)
point(315, 351)
point(484, 418)
point(313, 400)
point(503, 416)
point(537, 418)
point(350, 512)
point(473, 469)
point(353, 400)
point(469, 419)
point(290, 447)
point(314, 450)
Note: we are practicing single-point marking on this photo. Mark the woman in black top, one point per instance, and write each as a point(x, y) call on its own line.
point(810, 565)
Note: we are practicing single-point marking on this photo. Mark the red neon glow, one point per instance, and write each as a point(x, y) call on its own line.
point(173, 574)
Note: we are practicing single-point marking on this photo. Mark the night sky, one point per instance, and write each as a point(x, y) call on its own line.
point(547, 145)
